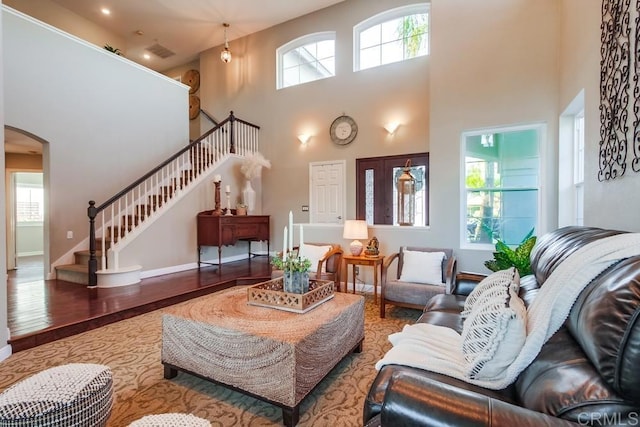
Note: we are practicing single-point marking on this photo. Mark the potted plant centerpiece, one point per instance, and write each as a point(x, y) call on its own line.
point(295, 272)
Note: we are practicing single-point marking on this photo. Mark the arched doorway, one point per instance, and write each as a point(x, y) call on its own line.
point(26, 224)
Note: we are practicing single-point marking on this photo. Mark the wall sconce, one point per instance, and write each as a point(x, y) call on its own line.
point(304, 138)
point(225, 55)
point(391, 127)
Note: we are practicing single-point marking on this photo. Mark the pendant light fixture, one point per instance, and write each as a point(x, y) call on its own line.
point(225, 55)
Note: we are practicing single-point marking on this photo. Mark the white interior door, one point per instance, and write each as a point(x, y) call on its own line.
point(327, 196)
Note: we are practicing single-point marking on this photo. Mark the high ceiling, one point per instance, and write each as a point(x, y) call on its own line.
point(185, 27)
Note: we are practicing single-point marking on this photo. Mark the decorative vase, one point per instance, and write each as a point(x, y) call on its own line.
point(249, 196)
point(296, 282)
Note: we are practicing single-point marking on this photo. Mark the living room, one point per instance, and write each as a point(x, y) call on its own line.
point(498, 63)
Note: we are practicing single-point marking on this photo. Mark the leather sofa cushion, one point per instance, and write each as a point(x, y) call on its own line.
point(605, 321)
point(446, 302)
point(554, 247)
point(442, 318)
point(375, 397)
point(562, 382)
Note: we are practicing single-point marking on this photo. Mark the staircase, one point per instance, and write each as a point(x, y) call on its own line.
point(125, 216)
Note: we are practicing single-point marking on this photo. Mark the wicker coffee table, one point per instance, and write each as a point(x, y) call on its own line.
point(273, 355)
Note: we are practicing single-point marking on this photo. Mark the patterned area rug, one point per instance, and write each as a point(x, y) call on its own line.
point(132, 349)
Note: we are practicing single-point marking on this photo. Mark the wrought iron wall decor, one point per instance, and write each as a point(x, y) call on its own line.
point(635, 163)
point(615, 66)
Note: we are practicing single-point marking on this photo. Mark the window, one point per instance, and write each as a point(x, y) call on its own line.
point(501, 184)
point(305, 59)
point(376, 192)
point(392, 36)
point(571, 140)
point(578, 168)
point(29, 198)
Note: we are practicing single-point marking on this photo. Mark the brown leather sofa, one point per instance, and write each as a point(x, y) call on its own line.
point(588, 373)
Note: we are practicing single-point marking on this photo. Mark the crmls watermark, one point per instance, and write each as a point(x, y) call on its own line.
point(612, 419)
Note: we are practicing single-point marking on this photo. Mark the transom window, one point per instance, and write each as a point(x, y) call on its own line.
point(305, 59)
point(392, 36)
point(501, 184)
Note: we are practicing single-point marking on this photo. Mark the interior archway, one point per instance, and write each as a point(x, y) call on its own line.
point(27, 221)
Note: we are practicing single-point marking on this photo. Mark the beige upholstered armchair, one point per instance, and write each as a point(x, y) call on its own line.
point(413, 275)
point(326, 261)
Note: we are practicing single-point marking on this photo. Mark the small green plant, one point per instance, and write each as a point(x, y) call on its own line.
point(504, 257)
point(291, 264)
point(113, 49)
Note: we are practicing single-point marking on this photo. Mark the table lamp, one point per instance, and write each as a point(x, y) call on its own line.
point(355, 229)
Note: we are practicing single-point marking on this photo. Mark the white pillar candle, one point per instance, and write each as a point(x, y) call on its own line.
point(284, 243)
point(301, 236)
point(291, 230)
point(228, 189)
point(217, 178)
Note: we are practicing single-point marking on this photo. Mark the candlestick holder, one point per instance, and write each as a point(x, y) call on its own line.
point(217, 210)
point(228, 193)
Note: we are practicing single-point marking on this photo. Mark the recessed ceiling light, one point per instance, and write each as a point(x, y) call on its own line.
point(105, 11)
point(146, 56)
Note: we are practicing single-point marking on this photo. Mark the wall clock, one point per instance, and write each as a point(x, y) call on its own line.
point(343, 130)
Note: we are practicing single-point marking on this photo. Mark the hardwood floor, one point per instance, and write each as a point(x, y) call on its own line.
point(42, 311)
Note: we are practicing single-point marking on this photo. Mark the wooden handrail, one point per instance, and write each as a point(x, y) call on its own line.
point(94, 210)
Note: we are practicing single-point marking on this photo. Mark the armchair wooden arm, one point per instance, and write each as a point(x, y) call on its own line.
point(334, 251)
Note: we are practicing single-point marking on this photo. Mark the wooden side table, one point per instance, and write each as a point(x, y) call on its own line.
point(372, 261)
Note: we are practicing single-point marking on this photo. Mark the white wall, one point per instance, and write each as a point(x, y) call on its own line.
point(106, 120)
point(372, 97)
point(64, 19)
point(493, 63)
point(609, 204)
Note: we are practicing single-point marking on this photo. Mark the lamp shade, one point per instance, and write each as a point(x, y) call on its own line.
point(355, 229)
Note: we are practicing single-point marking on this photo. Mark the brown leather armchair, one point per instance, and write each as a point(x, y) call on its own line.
point(412, 294)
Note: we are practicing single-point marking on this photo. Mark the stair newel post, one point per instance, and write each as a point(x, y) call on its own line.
point(232, 136)
point(92, 212)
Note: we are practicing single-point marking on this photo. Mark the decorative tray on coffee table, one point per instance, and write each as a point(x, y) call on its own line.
point(271, 294)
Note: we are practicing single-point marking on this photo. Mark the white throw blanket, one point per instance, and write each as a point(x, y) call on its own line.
point(439, 349)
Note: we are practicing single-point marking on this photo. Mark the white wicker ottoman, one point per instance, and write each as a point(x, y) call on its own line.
point(171, 420)
point(76, 394)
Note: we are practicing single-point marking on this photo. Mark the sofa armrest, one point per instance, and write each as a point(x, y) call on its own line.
point(415, 400)
point(465, 282)
point(450, 275)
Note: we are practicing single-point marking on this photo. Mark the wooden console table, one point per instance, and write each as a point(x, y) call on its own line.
point(222, 230)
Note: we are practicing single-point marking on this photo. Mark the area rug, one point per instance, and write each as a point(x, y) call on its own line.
point(132, 349)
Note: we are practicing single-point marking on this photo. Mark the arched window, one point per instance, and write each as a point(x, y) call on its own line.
point(305, 59)
point(391, 36)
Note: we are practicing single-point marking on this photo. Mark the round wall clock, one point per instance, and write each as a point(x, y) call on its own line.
point(343, 130)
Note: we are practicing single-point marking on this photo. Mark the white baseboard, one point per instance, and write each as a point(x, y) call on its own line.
point(34, 253)
point(5, 352)
point(190, 266)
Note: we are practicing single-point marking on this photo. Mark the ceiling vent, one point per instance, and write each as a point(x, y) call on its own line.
point(160, 51)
